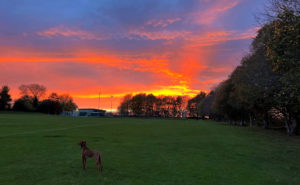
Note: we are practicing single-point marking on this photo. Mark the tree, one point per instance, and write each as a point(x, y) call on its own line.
point(138, 105)
point(283, 50)
point(67, 103)
point(25, 103)
point(124, 108)
point(159, 106)
point(224, 103)
point(35, 91)
point(255, 87)
point(281, 45)
point(56, 104)
point(166, 106)
point(150, 105)
point(177, 107)
point(276, 7)
point(192, 104)
point(5, 98)
point(204, 108)
point(48, 106)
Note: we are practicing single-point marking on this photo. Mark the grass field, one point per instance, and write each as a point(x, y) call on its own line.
point(42, 149)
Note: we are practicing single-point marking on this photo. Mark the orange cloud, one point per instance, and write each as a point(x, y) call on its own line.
point(217, 37)
point(143, 65)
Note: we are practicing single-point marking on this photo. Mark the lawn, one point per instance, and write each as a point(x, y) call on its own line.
point(42, 149)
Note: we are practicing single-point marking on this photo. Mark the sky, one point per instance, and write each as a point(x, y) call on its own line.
point(116, 47)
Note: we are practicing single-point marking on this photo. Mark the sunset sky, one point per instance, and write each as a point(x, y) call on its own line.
point(164, 47)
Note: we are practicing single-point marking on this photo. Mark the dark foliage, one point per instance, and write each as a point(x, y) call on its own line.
point(5, 98)
point(24, 104)
point(54, 104)
point(264, 89)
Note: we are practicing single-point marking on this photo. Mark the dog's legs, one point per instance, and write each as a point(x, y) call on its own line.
point(98, 162)
point(83, 162)
point(99, 168)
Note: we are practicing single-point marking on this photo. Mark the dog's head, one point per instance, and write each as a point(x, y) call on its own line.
point(82, 143)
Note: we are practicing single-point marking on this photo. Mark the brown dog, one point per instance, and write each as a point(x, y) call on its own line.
point(86, 153)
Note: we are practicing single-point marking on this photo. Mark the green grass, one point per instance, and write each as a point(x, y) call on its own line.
point(42, 149)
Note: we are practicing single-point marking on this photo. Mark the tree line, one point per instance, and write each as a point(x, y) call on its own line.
point(265, 88)
point(151, 106)
point(31, 100)
point(143, 105)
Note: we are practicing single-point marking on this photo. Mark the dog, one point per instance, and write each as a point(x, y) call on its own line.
point(87, 153)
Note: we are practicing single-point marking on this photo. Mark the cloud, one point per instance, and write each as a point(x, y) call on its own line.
point(135, 34)
point(162, 23)
point(216, 37)
point(67, 32)
point(151, 64)
point(210, 14)
point(157, 35)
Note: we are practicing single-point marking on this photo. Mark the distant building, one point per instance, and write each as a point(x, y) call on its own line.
point(67, 113)
point(90, 112)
